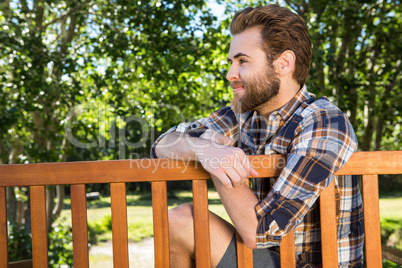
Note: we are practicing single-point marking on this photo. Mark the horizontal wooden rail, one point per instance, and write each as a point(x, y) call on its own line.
point(166, 169)
point(158, 171)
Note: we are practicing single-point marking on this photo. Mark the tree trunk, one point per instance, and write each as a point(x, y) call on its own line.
point(353, 107)
point(378, 133)
point(20, 213)
point(49, 206)
point(60, 202)
point(28, 212)
point(369, 129)
point(11, 205)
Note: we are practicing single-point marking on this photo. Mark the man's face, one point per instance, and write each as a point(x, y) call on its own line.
point(252, 77)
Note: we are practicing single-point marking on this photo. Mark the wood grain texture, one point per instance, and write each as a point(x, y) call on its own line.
point(39, 227)
point(287, 251)
point(120, 171)
point(373, 163)
point(166, 169)
point(160, 170)
point(244, 254)
point(372, 230)
point(119, 224)
point(201, 224)
point(329, 236)
point(3, 229)
point(161, 226)
point(80, 226)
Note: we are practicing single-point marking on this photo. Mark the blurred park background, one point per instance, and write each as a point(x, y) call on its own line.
point(101, 79)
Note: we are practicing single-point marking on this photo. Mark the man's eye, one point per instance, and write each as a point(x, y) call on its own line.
point(242, 61)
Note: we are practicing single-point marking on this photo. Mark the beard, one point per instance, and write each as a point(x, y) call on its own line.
point(258, 90)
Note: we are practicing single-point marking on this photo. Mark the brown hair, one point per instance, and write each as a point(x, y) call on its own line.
point(281, 30)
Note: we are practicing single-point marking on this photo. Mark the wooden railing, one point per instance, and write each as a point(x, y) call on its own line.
point(158, 171)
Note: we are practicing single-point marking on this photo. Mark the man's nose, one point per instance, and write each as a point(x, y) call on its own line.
point(233, 73)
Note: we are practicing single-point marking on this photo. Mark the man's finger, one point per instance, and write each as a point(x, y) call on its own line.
point(254, 173)
point(246, 164)
point(243, 161)
point(224, 179)
point(234, 177)
point(240, 169)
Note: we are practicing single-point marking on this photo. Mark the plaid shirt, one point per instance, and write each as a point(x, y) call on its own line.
point(318, 140)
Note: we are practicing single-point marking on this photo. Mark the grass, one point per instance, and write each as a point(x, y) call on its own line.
point(391, 206)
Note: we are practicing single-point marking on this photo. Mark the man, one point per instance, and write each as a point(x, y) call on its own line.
point(271, 113)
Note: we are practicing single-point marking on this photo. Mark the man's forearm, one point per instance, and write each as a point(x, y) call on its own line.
point(181, 146)
point(228, 166)
point(239, 203)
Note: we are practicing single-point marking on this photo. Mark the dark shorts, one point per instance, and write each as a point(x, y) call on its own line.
point(262, 258)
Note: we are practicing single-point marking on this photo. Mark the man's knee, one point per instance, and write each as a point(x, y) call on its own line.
point(181, 219)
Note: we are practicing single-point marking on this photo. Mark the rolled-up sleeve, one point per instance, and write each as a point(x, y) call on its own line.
point(153, 154)
point(222, 121)
point(194, 129)
point(323, 144)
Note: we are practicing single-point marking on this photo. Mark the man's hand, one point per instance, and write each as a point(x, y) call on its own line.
point(228, 164)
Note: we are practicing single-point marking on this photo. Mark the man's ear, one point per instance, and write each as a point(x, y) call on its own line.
point(285, 63)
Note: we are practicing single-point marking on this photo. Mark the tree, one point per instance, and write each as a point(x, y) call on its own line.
point(356, 61)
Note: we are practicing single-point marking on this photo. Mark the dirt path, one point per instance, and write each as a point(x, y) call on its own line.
point(141, 254)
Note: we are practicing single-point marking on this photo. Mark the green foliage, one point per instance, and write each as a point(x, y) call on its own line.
point(109, 60)
point(80, 70)
point(61, 246)
point(356, 47)
point(391, 233)
point(100, 230)
point(19, 243)
point(389, 264)
point(390, 183)
point(97, 228)
point(140, 230)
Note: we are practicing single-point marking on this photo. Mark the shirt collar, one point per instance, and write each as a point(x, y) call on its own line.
point(263, 129)
point(289, 108)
